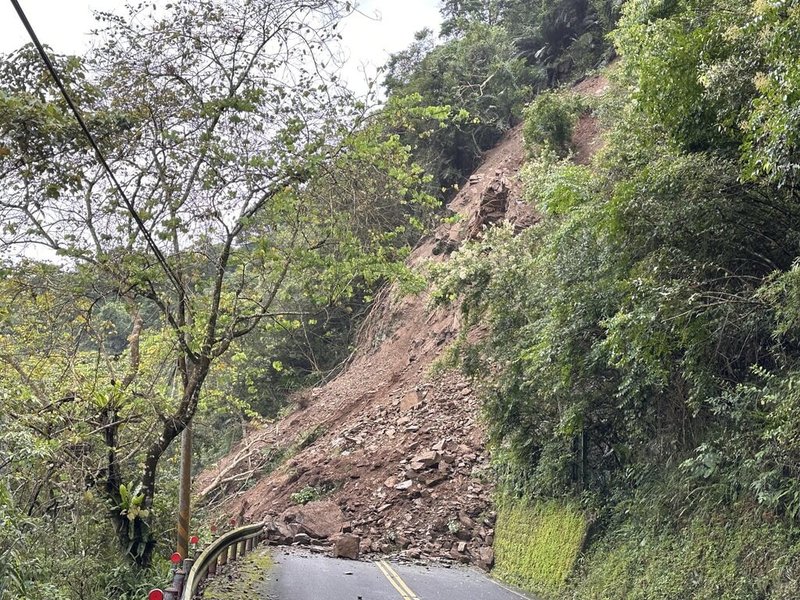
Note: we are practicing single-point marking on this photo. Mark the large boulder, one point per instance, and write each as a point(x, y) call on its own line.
point(346, 545)
point(279, 532)
point(321, 519)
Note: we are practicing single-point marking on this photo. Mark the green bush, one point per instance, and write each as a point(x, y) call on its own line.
point(549, 121)
point(306, 495)
point(557, 185)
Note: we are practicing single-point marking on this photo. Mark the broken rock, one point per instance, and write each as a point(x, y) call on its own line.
point(425, 460)
point(279, 532)
point(486, 558)
point(432, 479)
point(346, 545)
point(320, 519)
point(412, 400)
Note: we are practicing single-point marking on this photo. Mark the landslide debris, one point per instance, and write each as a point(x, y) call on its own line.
point(387, 457)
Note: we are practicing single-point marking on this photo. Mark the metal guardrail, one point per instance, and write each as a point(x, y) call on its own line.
point(225, 549)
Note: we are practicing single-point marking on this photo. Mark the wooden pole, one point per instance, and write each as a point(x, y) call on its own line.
point(184, 508)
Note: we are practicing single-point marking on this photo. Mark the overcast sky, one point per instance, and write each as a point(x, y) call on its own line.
point(388, 27)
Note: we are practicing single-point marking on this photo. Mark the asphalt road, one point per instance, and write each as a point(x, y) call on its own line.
point(296, 575)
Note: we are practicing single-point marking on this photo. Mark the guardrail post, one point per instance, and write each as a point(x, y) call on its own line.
point(234, 552)
point(177, 581)
point(187, 568)
point(170, 593)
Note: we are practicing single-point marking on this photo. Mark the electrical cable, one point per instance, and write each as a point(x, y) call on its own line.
point(128, 204)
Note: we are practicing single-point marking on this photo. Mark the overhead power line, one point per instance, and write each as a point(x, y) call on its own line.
point(73, 107)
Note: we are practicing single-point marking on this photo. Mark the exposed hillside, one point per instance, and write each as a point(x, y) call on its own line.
point(396, 453)
point(400, 452)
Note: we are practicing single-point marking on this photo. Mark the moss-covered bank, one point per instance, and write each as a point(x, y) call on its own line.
point(537, 544)
point(645, 550)
point(248, 575)
point(713, 555)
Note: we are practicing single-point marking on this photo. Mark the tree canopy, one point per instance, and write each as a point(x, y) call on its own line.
point(258, 191)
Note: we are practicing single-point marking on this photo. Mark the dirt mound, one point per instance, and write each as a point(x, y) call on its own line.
point(399, 450)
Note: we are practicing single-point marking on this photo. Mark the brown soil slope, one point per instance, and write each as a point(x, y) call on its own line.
point(360, 434)
point(398, 454)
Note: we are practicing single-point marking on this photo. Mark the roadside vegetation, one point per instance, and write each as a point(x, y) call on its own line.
point(642, 356)
point(641, 360)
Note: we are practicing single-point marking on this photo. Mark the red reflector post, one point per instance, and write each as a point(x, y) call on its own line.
point(194, 540)
point(176, 558)
point(155, 595)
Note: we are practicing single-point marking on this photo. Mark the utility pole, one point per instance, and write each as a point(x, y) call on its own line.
point(184, 495)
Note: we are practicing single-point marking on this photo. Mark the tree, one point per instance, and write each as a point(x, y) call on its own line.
point(225, 126)
point(480, 74)
point(563, 37)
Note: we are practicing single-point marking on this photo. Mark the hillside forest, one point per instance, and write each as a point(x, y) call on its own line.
point(639, 350)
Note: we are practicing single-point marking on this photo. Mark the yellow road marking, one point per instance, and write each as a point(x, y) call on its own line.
point(392, 581)
point(396, 581)
point(402, 583)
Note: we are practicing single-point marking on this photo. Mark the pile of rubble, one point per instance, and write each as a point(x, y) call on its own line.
point(390, 457)
point(395, 489)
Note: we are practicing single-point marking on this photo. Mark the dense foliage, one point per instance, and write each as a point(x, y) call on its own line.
point(493, 56)
point(644, 334)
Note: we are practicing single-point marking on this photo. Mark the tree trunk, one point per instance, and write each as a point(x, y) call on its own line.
point(173, 427)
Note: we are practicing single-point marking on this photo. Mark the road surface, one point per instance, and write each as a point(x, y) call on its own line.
point(298, 575)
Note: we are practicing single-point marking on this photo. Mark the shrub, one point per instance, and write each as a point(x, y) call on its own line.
point(549, 121)
point(306, 495)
